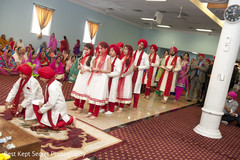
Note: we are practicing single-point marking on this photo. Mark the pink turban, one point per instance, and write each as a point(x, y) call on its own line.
point(46, 72)
point(25, 69)
point(120, 44)
point(174, 49)
point(233, 94)
point(154, 47)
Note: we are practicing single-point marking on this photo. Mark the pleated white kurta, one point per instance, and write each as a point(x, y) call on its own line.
point(175, 70)
point(80, 86)
point(115, 78)
point(56, 103)
point(32, 92)
point(144, 64)
point(97, 90)
point(155, 65)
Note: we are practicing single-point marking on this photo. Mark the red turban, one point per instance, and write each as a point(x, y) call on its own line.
point(120, 44)
point(201, 55)
point(174, 49)
point(145, 43)
point(208, 60)
point(115, 48)
point(46, 72)
point(25, 69)
point(154, 47)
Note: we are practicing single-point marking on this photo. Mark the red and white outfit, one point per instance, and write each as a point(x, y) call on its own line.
point(167, 82)
point(97, 90)
point(32, 92)
point(81, 84)
point(141, 60)
point(113, 82)
point(149, 75)
point(54, 114)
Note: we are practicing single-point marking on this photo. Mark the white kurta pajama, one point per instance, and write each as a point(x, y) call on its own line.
point(115, 78)
point(175, 70)
point(56, 103)
point(155, 65)
point(32, 92)
point(144, 64)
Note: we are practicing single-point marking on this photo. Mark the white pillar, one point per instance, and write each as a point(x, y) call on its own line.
point(226, 55)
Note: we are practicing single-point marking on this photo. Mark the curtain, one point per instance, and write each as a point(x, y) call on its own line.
point(93, 28)
point(44, 16)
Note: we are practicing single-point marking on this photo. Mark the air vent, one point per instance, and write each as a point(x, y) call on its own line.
point(137, 10)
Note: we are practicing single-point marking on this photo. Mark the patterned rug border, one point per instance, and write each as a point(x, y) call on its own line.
point(103, 149)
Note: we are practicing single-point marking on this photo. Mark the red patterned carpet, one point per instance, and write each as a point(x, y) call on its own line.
point(6, 83)
point(171, 136)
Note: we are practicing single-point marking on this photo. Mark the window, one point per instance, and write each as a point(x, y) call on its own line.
point(87, 34)
point(35, 24)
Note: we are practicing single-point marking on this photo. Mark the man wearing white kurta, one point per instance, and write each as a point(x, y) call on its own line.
point(141, 63)
point(53, 112)
point(32, 92)
point(171, 66)
point(114, 77)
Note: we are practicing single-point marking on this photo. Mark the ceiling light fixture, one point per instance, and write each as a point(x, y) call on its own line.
point(156, 0)
point(163, 26)
point(204, 30)
point(147, 19)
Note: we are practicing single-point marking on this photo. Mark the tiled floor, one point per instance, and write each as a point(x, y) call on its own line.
point(146, 108)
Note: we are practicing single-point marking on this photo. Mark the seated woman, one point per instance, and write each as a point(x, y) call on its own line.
point(8, 47)
point(19, 56)
point(50, 55)
point(27, 52)
point(70, 62)
point(73, 72)
point(3, 40)
point(7, 64)
point(57, 67)
point(34, 63)
point(43, 59)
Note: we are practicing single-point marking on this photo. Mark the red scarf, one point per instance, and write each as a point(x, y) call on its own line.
point(121, 82)
point(110, 79)
point(169, 78)
point(82, 61)
point(17, 97)
point(135, 75)
point(150, 71)
point(46, 97)
point(99, 65)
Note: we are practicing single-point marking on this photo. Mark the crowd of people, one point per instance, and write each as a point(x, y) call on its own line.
point(109, 75)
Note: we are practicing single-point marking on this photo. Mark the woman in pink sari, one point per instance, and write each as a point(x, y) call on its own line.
point(34, 63)
point(52, 42)
point(7, 64)
point(57, 66)
point(182, 76)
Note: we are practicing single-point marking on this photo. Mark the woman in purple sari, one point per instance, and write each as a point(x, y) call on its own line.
point(182, 76)
point(7, 64)
point(57, 66)
point(34, 63)
point(52, 42)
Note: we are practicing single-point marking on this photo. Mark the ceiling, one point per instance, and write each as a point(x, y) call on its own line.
point(132, 10)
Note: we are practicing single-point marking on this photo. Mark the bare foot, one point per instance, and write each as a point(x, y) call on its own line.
point(88, 115)
point(119, 110)
point(73, 108)
point(92, 117)
point(36, 124)
point(147, 97)
point(78, 111)
point(163, 101)
point(144, 96)
point(134, 109)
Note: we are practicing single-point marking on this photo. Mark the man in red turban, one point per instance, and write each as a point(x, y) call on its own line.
point(52, 113)
point(171, 67)
point(32, 92)
point(198, 77)
point(149, 75)
point(141, 63)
